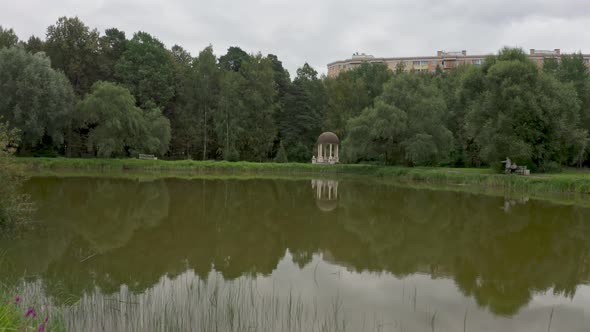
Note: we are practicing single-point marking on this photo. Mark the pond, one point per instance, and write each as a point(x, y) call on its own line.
point(123, 254)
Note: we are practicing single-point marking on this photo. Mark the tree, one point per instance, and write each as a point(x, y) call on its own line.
point(351, 92)
point(116, 127)
point(13, 205)
point(461, 88)
point(524, 114)
point(376, 134)
point(259, 100)
point(405, 126)
point(7, 38)
point(230, 117)
point(573, 69)
point(233, 59)
point(111, 48)
point(9, 139)
point(205, 93)
point(74, 49)
point(300, 118)
point(182, 129)
point(34, 45)
point(34, 98)
point(147, 70)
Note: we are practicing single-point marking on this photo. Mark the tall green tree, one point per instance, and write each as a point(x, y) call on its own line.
point(8, 38)
point(117, 127)
point(300, 118)
point(74, 48)
point(201, 102)
point(146, 68)
point(351, 92)
point(230, 118)
point(112, 45)
point(233, 59)
point(259, 99)
point(573, 69)
point(34, 98)
point(525, 114)
point(34, 45)
point(406, 125)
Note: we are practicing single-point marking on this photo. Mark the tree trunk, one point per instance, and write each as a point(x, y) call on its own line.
point(205, 134)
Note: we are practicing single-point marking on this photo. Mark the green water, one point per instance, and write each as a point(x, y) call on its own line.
point(299, 255)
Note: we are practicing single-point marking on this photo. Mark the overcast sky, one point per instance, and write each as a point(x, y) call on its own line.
point(321, 31)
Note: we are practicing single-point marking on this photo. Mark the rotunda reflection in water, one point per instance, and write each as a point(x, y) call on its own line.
point(326, 194)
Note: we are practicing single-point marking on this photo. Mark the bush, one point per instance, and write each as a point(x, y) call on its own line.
point(231, 155)
point(281, 156)
point(550, 167)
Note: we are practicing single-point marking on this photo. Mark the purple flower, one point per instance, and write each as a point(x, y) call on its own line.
point(42, 326)
point(17, 300)
point(31, 312)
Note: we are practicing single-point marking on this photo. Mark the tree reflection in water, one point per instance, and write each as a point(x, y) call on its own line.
point(107, 233)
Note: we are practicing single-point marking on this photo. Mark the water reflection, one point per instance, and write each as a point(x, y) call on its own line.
point(510, 202)
point(326, 194)
point(107, 233)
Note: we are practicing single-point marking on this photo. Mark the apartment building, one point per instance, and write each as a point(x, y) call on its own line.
point(445, 60)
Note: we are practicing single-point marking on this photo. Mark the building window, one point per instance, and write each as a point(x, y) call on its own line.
point(587, 60)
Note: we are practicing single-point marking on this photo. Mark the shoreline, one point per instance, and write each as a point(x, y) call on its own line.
point(567, 182)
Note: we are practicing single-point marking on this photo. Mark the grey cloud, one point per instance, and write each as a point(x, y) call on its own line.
point(319, 32)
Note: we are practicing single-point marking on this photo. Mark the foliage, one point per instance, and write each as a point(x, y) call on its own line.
point(34, 98)
point(281, 155)
point(74, 49)
point(201, 102)
point(233, 59)
point(8, 38)
point(147, 70)
point(406, 125)
point(300, 117)
point(112, 46)
point(116, 127)
point(13, 206)
point(524, 114)
point(242, 106)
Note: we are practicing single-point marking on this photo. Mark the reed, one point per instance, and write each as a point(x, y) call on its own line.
point(569, 181)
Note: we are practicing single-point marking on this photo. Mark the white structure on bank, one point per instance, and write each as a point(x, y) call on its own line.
point(327, 149)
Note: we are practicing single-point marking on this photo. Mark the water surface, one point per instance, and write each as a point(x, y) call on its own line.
point(215, 254)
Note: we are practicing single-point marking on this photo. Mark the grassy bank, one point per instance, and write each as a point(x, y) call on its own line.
point(571, 181)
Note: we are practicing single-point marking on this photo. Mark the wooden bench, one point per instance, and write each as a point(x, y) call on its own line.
point(147, 157)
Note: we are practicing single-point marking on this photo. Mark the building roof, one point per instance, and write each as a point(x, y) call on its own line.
point(328, 138)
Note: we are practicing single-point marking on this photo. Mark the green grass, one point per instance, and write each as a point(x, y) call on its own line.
point(570, 181)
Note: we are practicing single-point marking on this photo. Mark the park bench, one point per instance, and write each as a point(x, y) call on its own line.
point(147, 157)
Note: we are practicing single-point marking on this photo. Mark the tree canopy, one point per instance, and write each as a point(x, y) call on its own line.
point(241, 106)
point(34, 98)
point(116, 127)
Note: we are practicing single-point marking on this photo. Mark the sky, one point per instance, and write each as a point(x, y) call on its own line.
point(322, 31)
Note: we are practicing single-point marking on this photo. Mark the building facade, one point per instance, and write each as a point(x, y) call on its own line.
point(445, 60)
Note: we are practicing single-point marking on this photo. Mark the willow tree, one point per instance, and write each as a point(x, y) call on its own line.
point(116, 127)
point(406, 125)
point(34, 98)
